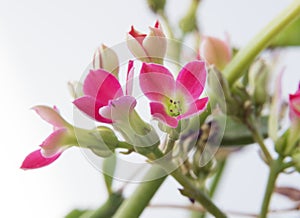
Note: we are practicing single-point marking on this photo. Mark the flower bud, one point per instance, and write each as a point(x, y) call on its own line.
point(258, 81)
point(215, 51)
point(107, 59)
point(156, 5)
point(148, 48)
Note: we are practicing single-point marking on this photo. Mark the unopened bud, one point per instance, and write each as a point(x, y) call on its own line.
point(258, 81)
point(215, 51)
point(105, 58)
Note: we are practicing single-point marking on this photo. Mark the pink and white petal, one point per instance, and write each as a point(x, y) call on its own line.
point(91, 107)
point(137, 49)
point(118, 110)
point(129, 78)
point(158, 111)
point(37, 160)
point(156, 82)
point(137, 35)
point(54, 142)
point(193, 77)
point(194, 108)
point(294, 100)
point(50, 115)
point(102, 85)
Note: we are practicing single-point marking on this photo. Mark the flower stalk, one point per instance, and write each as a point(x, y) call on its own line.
point(235, 69)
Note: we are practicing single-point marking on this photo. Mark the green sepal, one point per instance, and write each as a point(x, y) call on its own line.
point(237, 134)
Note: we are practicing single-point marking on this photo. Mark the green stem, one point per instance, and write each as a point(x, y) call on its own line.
point(189, 189)
point(214, 185)
point(235, 69)
point(275, 169)
point(192, 192)
point(217, 178)
point(136, 203)
point(257, 137)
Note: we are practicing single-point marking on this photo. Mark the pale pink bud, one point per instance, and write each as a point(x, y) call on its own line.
point(215, 51)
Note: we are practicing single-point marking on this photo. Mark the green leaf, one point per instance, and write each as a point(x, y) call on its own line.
point(236, 133)
point(109, 167)
point(289, 36)
point(76, 213)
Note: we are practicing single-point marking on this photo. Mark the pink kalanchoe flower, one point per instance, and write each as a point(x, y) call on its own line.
point(215, 51)
point(173, 100)
point(100, 89)
point(52, 147)
point(148, 48)
point(294, 103)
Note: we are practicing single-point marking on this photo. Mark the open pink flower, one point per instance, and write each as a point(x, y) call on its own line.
point(60, 139)
point(173, 100)
point(100, 89)
point(148, 48)
point(294, 103)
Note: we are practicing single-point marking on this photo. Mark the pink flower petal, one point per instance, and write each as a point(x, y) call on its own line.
point(50, 115)
point(156, 82)
point(194, 108)
point(118, 110)
point(36, 160)
point(102, 85)
point(91, 108)
point(193, 77)
point(294, 101)
point(129, 79)
point(158, 111)
point(137, 35)
point(54, 143)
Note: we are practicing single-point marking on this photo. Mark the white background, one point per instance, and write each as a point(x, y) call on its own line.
point(44, 44)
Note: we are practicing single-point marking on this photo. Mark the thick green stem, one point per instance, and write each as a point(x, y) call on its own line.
point(275, 169)
point(134, 206)
point(235, 69)
point(189, 189)
point(192, 192)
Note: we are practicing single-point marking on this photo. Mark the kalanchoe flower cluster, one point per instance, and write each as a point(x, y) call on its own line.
point(102, 99)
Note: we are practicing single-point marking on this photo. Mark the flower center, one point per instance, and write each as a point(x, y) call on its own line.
point(174, 108)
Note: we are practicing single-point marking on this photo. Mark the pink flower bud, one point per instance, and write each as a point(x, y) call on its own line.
point(105, 58)
point(215, 51)
point(148, 48)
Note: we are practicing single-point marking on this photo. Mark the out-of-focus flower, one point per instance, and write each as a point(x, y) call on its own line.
point(102, 88)
point(149, 48)
point(173, 100)
point(61, 138)
point(294, 136)
point(215, 51)
point(106, 58)
point(294, 103)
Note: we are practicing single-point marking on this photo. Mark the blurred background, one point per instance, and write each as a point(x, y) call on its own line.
point(44, 44)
